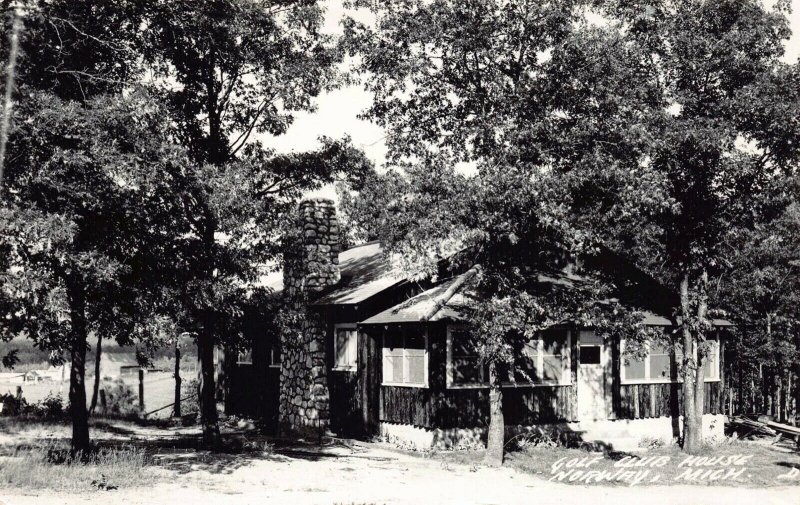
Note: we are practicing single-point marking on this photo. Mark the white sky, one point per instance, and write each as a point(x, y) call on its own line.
point(337, 111)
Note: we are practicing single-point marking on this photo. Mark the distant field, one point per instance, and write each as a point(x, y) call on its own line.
point(159, 389)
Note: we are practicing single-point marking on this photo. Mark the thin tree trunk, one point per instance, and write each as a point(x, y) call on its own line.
point(176, 410)
point(786, 380)
point(96, 372)
point(5, 122)
point(691, 428)
point(495, 439)
point(699, 392)
point(795, 400)
point(208, 401)
point(77, 374)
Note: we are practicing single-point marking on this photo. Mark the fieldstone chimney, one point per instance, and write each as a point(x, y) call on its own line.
point(311, 264)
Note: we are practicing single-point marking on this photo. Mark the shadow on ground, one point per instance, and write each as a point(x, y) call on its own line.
point(179, 450)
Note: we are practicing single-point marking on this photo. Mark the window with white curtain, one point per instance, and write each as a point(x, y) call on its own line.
point(405, 357)
point(345, 346)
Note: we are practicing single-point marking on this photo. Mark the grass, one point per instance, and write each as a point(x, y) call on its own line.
point(159, 389)
point(740, 464)
point(51, 466)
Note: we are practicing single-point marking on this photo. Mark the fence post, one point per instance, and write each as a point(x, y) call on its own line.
point(141, 390)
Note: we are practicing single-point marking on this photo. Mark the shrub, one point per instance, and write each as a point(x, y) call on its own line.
point(189, 400)
point(651, 442)
point(533, 440)
point(11, 405)
point(121, 399)
point(51, 407)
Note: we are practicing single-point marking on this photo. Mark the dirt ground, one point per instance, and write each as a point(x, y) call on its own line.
point(356, 473)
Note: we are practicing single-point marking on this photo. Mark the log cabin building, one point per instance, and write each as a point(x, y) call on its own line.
point(375, 354)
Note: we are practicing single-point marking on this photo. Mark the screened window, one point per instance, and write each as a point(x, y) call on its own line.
point(345, 346)
point(657, 365)
point(405, 358)
point(466, 367)
point(544, 360)
point(710, 360)
point(555, 351)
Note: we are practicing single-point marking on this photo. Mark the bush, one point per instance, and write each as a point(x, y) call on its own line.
point(534, 440)
point(51, 407)
point(651, 443)
point(121, 399)
point(11, 405)
point(189, 399)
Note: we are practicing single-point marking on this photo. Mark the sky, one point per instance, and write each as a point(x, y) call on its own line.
point(337, 112)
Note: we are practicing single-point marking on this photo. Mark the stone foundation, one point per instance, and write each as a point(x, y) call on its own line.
point(311, 260)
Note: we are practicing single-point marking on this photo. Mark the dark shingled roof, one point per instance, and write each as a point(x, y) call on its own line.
point(636, 290)
point(365, 272)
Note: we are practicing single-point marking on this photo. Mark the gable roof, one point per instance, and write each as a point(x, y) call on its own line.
point(639, 291)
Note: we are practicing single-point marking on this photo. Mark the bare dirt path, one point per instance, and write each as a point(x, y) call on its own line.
point(371, 474)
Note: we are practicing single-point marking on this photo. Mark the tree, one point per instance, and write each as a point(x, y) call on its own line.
point(80, 170)
point(87, 212)
point(758, 286)
point(487, 82)
point(233, 70)
point(720, 132)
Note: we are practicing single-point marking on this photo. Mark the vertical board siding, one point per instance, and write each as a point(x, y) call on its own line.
point(639, 401)
point(469, 408)
point(345, 402)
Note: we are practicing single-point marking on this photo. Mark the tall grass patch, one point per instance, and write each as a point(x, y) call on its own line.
point(51, 465)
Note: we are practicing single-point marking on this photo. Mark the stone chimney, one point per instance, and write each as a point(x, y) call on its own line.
point(311, 264)
point(312, 256)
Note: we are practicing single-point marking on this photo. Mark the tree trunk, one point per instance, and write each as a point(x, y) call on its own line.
point(77, 374)
point(5, 122)
point(176, 409)
point(795, 401)
point(699, 391)
point(96, 387)
point(208, 401)
point(495, 439)
point(692, 436)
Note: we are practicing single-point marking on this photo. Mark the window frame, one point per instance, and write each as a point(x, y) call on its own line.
point(426, 359)
point(336, 366)
point(660, 380)
point(566, 372)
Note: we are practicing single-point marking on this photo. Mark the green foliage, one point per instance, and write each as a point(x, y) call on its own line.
point(239, 68)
